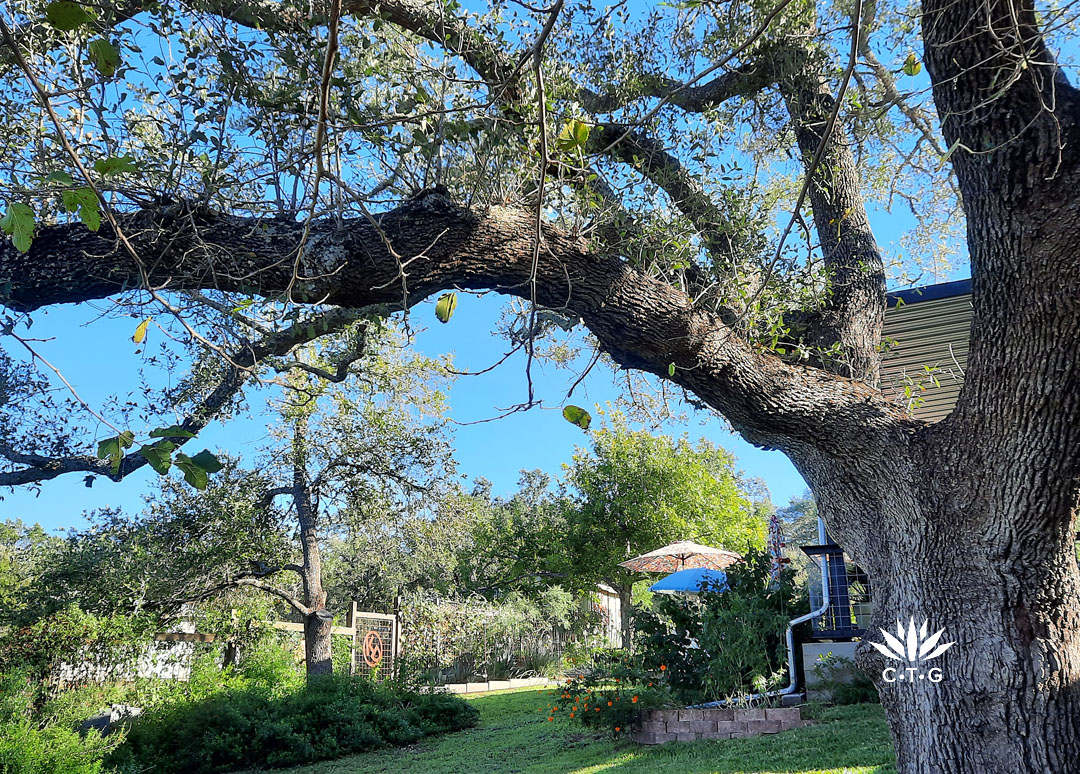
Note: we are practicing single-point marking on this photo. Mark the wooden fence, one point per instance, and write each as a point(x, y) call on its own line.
point(374, 640)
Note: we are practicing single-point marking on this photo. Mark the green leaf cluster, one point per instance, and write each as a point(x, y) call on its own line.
point(18, 223)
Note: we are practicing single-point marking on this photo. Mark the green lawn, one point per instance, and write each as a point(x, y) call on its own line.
point(513, 737)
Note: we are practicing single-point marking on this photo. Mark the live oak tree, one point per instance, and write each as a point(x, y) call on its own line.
point(371, 433)
point(379, 153)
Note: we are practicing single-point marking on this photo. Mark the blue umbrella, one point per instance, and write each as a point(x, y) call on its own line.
point(692, 581)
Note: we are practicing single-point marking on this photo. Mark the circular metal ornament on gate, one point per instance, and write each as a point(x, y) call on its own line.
point(373, 648)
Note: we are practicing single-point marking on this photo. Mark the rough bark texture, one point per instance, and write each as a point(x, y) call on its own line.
point(968, 523)
point(318, 622)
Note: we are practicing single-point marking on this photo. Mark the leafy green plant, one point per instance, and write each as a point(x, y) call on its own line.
point(844, 683)
point(30, 746)
point(328, 718)
point(720, 644)
point(608, 692)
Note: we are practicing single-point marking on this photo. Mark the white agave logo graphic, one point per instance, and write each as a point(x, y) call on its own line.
point(915, 646)
point(912, 646)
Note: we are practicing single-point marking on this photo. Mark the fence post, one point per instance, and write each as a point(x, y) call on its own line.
point(396, 645)
point(352, 639)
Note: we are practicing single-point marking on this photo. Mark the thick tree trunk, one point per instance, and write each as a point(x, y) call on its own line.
point(318, 623)
point(317, 649)
point(992, 562)
point(1006, 697)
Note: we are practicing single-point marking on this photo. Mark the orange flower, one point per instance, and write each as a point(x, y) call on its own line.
point(550, 718)
point(634, 700)
point(571, 714)
point(650, 685)
point(609, 703)
point(555, 710)
point(617, 729)
point(596, 708)
point(662, 667)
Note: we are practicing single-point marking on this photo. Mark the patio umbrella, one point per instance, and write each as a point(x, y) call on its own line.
point(681, 556)
point(691, 581)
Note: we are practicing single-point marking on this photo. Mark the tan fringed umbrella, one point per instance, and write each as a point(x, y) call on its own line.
point(683, 555)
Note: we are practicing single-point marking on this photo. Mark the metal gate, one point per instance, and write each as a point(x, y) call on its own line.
point(375, 643)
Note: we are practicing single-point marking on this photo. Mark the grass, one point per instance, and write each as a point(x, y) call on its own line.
point(513, 737)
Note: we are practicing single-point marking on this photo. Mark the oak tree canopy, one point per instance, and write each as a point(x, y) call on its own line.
point(696, 183)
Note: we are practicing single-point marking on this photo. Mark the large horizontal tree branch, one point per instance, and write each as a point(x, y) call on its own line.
point(643, 323)
point(854, 308)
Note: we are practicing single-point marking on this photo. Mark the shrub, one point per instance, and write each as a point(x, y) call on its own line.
point(844, 683)
point(719, 644)
point(331, 717)
point(29, 746)
point(100, 646)
point(608, 692)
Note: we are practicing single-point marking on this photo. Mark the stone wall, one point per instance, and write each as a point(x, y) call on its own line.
point(688, 725)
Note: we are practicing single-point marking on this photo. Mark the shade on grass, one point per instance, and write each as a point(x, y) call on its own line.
point(514, 737)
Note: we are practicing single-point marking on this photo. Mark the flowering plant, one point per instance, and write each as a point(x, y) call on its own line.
point(609, 693)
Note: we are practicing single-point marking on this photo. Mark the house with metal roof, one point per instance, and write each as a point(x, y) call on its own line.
point(924, 356)
point(925, 347)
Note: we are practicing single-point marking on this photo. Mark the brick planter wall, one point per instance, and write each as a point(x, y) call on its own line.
point(689, 725)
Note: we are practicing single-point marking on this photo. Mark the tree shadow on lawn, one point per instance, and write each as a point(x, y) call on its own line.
point(515, 737)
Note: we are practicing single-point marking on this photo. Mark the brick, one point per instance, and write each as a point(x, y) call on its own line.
point(691, 737)
point(783, 713)
point(749, 714)
point(690, 714)
point(763, 726)
point(678, 726)
point(653, 726)
point(716, 735)
point(653, 738)
point(719, 713)
point(702, 726)
point(730, 726)
point(744, 732)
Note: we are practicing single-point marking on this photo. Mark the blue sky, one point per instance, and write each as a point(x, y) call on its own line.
point(96, 358)
point(100, 360)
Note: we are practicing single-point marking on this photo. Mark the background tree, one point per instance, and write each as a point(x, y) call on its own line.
point(634, 492)
point(699, 204)
point(181, 544)
point(24, 551)
point(376, 432)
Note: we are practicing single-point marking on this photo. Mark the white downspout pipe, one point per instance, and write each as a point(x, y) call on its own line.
point(793, 682)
